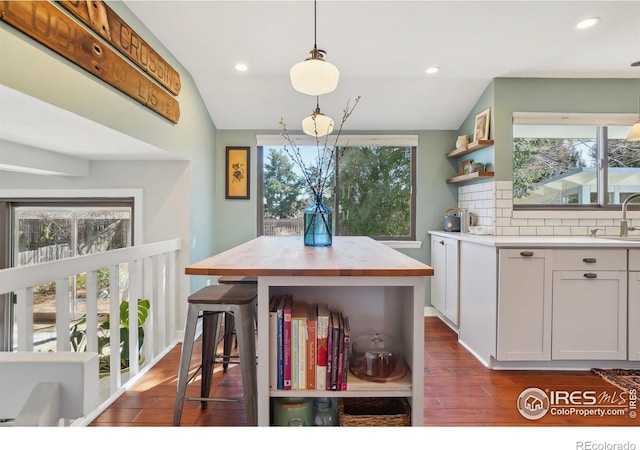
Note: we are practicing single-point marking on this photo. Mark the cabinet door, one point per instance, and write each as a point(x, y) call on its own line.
point(438, 262)
point(634, 316)
point(444, 283)
point(589, 315)
point(524, 305)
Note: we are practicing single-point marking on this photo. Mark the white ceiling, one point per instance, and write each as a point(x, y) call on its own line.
point(381, 48)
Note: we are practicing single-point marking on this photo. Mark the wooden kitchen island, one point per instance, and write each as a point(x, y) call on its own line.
point(378, 288)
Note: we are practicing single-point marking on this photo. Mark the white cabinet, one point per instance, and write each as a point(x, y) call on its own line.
point(589, 320)
point(633, 340)
point(444, 283)
point(524, 305)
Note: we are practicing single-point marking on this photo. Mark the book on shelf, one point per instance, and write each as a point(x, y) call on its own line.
point(340, 365)
point(322, 330)
point(279, 337)
point(347, 352)
point(273, 343)
point(299, 345)
point(329, 351)
point(286, 342)
point(312, 342)
point(334, 349)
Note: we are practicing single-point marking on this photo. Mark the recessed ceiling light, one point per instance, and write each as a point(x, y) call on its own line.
point(432, 70)
point(241, 67)
point(587, 23)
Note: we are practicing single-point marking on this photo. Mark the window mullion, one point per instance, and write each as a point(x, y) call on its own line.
point(602, 165)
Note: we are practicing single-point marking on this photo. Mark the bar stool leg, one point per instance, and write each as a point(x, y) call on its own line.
point(247, 346)
point(210, 336)
point(229, 327)
point(185, 361)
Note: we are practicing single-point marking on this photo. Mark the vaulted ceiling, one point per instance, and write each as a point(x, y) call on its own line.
point(382, 49)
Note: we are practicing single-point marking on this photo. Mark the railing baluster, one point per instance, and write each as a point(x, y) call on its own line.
point(92, 311)
point(162, 283)
point(134, 295)
point(149, 294)
point(171, 290)
point(114, 326)
point(24, 311)
point(62, 315)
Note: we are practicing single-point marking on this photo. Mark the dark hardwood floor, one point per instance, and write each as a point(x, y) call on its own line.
point(459, 392)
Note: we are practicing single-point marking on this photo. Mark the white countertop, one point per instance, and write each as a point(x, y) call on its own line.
point(541, 241)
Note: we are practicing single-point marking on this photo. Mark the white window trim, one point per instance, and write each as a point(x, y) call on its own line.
point(408, 140)
point(594, 119)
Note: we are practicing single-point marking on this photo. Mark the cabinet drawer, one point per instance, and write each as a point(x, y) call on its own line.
point(634, 260)
point(590, 259)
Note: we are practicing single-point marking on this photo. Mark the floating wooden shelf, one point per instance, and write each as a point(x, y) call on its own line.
point(469, 177)
point(472, 147)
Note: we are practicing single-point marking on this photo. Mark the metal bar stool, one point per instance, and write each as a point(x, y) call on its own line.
point(208, 303)
point(229, 327)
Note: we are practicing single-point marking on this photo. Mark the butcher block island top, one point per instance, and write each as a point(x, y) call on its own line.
point(350, 256)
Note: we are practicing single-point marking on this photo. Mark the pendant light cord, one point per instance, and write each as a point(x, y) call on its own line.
point(315, 25)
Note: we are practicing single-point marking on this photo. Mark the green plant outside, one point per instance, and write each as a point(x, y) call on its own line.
point(78, 335)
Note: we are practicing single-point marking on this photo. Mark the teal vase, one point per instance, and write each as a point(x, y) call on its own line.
point(318, 224)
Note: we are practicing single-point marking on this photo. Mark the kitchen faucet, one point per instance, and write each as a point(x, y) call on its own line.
point(624, 228)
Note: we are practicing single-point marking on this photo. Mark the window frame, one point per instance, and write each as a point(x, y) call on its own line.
point(600, 122)
point(10, 198)
point(408, 141)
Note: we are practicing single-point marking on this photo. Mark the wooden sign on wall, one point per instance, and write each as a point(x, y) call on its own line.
point(104, 21)
point(47, 24)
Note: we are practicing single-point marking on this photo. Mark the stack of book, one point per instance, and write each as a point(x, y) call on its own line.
point(309, 346)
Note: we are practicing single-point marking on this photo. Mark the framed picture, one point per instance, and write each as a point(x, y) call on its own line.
point(481, 128)
point(237, 173)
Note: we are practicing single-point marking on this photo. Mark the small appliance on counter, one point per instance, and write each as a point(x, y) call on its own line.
point(452, 219)
point(458, 219)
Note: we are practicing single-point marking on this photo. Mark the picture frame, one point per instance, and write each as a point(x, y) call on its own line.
point(481, 126)
point(237, 173)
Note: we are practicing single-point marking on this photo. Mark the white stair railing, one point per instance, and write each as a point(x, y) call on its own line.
point(152, 275)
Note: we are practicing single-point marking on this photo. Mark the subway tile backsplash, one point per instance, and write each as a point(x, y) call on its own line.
point(492, 204)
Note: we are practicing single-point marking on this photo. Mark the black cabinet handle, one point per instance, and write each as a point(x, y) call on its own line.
point(591, 275)
point(441, 242)
point(589, 260)
point(526, 253)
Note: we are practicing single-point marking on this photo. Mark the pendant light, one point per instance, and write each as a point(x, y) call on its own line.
point(634, 134)
point(317, 124)
point(314, 75)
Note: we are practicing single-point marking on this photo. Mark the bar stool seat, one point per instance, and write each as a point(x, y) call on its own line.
point(229, 327)
point(209, 303)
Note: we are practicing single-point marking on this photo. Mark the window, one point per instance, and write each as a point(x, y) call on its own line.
point(45, 231)
point(562, 160)
point(372, 193)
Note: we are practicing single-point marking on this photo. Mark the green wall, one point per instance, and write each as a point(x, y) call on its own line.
point(555, 96)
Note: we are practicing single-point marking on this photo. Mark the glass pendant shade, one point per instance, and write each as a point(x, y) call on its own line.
point(314, 76)
point(317, 124)
point(634, 134)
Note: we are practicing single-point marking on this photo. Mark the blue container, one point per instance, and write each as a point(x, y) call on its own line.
point(318, 227)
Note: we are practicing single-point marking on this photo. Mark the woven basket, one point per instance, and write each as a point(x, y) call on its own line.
point(374, 412)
